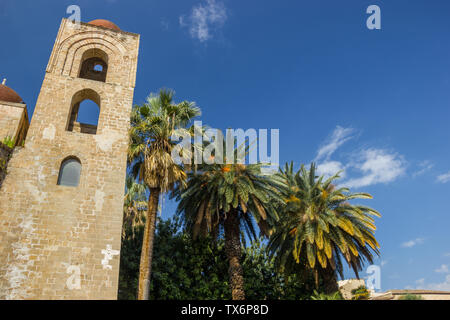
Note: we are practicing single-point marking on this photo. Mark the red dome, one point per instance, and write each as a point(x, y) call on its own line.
point(104, 24)
point(9, 95)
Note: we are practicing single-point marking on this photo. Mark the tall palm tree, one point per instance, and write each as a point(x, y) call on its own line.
point(150, 155)
point(228, 197)
point(318, 226)
point(134, 205)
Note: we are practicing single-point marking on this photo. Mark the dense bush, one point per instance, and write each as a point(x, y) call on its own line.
point(184, 268)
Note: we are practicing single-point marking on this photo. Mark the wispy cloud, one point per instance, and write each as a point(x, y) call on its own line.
point(384, 262)
point(444, 178)
point(330, 168)
point(424, 166)
point(442, 269)
point(412, 243)
point(373, 165)
point(441, 286)
point(204, 19)
point(339, 136)
point(377, 166)
point(447, 254)
point(420, 281)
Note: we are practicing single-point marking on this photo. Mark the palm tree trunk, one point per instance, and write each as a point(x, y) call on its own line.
point(145, 267)
point(233, 251)
point(316, 279)
point(329, 277)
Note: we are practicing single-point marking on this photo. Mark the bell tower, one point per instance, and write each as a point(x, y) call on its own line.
point(61, 203)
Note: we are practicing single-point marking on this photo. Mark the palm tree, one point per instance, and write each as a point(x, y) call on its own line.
point(228, 197)
point(152, 126)
point(318, 226)
point(134, 205)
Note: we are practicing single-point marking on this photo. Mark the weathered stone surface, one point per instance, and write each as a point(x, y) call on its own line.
point(59, 242)
point(347, 286)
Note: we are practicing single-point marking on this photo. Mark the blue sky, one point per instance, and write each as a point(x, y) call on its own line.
point(372, 102)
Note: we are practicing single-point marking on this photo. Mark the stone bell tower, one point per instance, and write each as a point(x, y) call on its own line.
point(61, 203)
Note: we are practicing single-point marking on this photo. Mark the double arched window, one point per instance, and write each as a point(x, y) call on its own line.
point(69, 172)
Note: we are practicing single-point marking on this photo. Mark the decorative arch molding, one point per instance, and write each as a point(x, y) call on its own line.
point(78, 48)
point(74, 57)
point(65, 44)
point(70, 51)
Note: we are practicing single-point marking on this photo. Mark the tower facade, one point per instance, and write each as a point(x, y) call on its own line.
point(61, 203)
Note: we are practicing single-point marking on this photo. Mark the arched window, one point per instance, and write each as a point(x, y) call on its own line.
point(69, 173)
point(88, 113)
point(94, 65)
point(84, 112)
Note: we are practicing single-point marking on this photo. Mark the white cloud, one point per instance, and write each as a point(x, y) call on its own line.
point(339, 136)
point(444, 178)
point(442, 269)
point(330, 168)
point(420, 282)
point(443, 286)
point(412, 243)
point(440, 286)
point(377, 166)
point(373, 165)
point(424, 167)
point(205, 18)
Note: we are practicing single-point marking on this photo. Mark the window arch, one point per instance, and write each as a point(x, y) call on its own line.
point(94, 65)
point(84, 99)
point(69, 172)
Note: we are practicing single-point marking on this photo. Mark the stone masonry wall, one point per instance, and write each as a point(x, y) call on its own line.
point(13, 120)
point(59, 242)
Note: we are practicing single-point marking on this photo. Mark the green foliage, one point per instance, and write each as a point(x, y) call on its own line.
point(9, 142)
point(318, 226)
point(130, 255)
point(134, 206)
point(411, 297)
point(322, 296)
point(263, 281)
point(184, 268)
point(217, 190)
point(232, 198)
point(153, 125)
point(360, 293)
